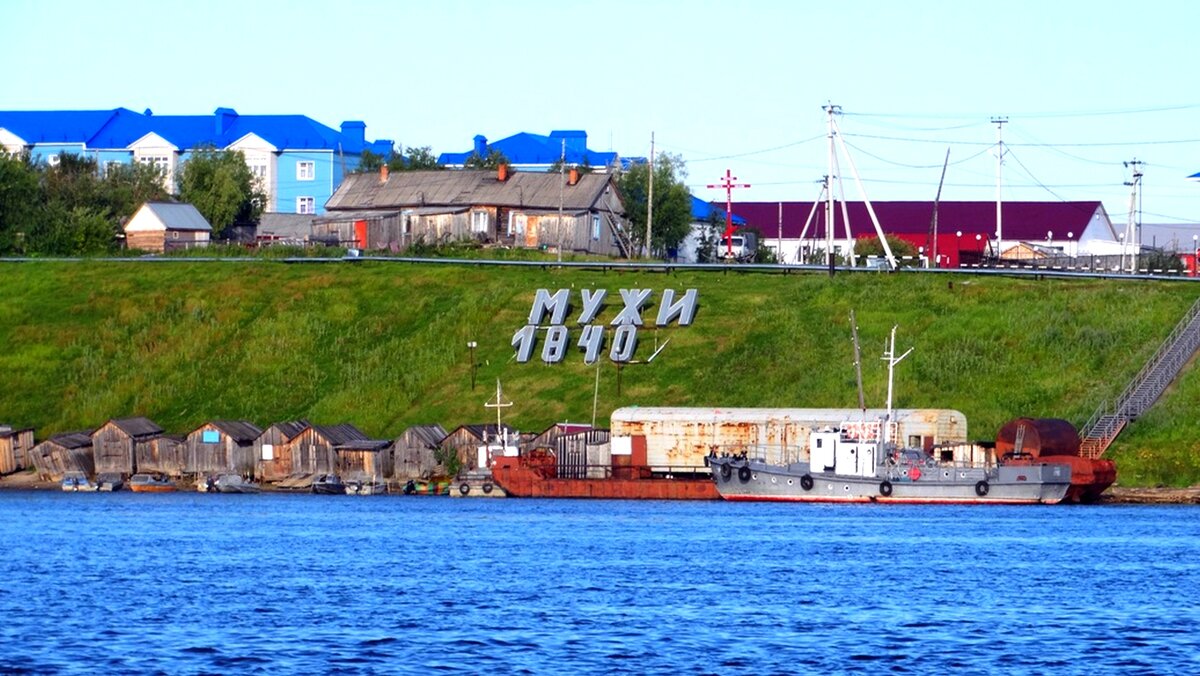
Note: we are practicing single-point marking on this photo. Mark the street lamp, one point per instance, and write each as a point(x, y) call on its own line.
point(471, 345)
point(1195, 255)
point(958, 248)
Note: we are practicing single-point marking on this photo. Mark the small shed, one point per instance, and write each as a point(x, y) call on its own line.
point(364, 459)
point(165, 226)
point(414, 453)
point(114, 444)
point(164, 454)
point(61, 453)
point(549, 437)
point(314, 449)
point(274, 449)
point(464, 442)
point(222, 446)
point(15, 444)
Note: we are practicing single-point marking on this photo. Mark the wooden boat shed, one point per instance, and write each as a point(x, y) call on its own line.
point(15, 444)
point(114, 444)
point(464, 442)
point(62, 453)
point(222, 446)
point(414, 453)
point(361, 459)
point(164, 454)
point(315, 448)
point(274, 449)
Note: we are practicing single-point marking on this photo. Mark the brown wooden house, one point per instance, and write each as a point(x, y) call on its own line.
point(414, 453)
point(549, 437)
point(164, 454)
point(166, 226)
point(275, 450)
point(114, 444)
point(314, 451)
point(15, 445)
point(61, 453)
point(221, 446)
point(363, 459)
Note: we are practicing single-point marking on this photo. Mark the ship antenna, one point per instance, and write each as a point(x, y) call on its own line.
point(890, 357)
point(862, 404)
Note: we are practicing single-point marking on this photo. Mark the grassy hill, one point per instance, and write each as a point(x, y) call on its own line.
point(383, 345)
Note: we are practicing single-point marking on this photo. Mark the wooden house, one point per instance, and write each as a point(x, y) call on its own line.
point(222, 446)
point(414, 453)
point(576, 212)
point(165, 226)
point(15, 444)
point(114, 444)
point(274, 449)
point(61, 453)
point(164, 454)
point(314, 449)
point(549, 437)
point(361, 459)
point(464, 442)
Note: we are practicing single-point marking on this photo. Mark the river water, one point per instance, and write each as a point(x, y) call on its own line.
point(192, 583)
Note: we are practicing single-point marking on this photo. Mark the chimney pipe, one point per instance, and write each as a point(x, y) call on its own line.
point(573, 176)
point(502, 172)
point(383, 173)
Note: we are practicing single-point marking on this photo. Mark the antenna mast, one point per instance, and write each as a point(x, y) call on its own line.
point(890, 357)
point(862, 402)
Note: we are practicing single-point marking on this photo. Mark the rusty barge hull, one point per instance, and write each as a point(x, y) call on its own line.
point(535, 476)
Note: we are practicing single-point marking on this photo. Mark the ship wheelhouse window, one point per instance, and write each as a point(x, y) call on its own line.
point(914, 441)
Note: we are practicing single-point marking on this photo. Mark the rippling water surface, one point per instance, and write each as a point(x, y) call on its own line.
point(186, 583)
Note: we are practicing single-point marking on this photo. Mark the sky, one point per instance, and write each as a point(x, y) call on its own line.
point(1086, 88)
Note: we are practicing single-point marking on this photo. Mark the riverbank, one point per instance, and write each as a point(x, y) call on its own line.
point(1117, 495)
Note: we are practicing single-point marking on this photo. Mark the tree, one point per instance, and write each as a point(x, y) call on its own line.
point(493, 159)
point(126, 187)
point(418, 159)
point(20, 198)
point(672, 202)
point(220, 185)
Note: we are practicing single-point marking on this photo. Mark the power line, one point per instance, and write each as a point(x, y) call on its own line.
point(1033, 115)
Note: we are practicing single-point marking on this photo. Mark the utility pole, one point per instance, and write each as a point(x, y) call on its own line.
point(1133, 222)
point(933, 227)
point(830, 110)
point(999, 122)
point(650, 197)
point(562, 165)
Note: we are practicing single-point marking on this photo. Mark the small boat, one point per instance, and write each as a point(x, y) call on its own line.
point(234, 483)
point(365, 486)
point(328, 484)
point(151, 483)
point(77, 482)
point(109, 482)
point(423, 487)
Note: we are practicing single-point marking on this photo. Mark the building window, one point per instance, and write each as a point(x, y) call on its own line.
point(305, 205)
point(595, 226)
point(157, 161)
point(479, 221)
point(306, 171)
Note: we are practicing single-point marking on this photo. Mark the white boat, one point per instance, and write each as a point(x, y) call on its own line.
point(74, 482)
point(234, 483)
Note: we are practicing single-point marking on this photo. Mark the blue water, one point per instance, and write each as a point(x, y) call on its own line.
point(191, 583)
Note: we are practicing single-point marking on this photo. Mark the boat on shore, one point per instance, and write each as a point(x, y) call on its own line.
point(328, 484)
point(235, 483)
point(78, 482)
point(151, 483)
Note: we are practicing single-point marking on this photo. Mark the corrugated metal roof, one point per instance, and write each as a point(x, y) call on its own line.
point(466, 188)
point(363, 445)
point(290, 428)
point(339, 434)
point(241, 431)
point(1021, 220)
point(482, 432)
point(430, 435)
point(178, 216)
point(527, 148)
point(72, 439)
point(137, 427)
point(702, 211)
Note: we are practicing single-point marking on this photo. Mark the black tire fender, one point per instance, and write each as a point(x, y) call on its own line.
point(982, 488)
point(487, 488)
point(744, 473)
point(806, 482)
point(726, 471)
point(464, 488)
point(885, 488)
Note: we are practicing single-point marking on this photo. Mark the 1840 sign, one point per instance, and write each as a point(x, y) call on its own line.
point(624, 327)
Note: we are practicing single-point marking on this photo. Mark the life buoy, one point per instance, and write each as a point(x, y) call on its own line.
point(885, 488)
point(914, 473)
point(487, 488)
point(464, 488)
point(726, 471)
point(981, 488)
point(744, 473)
point(806, 482)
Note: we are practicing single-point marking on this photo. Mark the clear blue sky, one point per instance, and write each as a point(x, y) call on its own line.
point(1085, 86)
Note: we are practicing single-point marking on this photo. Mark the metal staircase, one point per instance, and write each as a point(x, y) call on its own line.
point(619, 234)
point(1145, 388)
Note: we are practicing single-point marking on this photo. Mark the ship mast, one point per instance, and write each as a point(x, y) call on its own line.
point(890, 357)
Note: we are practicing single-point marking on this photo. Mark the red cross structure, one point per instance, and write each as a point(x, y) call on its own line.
point(727, 182)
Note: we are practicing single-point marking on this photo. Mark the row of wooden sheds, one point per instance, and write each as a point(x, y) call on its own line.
point(287, 449)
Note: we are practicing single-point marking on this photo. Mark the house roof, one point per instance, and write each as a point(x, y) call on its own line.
point(702, 211)
point(285, 225)
point(363, 445)
point(121, 127)
point(290, 428)
point(528, 190)
point(482, 431)
point(527, 148)
point(241, 431)
point(1021, 220)
point(430, 435)
point(172, 215)
point(72, 439)
point(339, 434)
point(137, 427)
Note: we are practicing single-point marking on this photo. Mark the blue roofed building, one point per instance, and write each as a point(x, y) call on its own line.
point(708, 224)
point(535, 152)
point(298, 161)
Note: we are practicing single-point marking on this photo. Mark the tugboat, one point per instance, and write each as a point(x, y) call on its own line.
point(859, 462)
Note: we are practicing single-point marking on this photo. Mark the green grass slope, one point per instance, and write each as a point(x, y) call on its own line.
point(384, 346)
